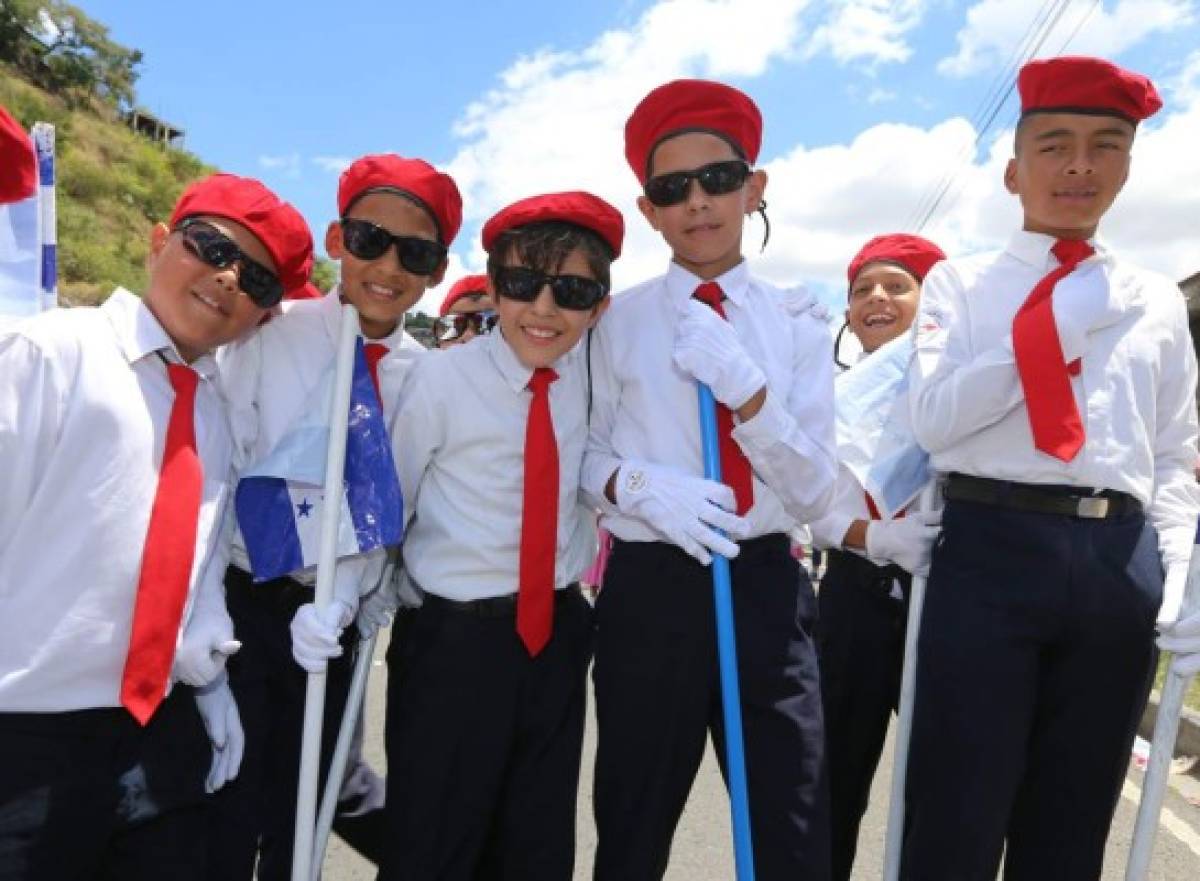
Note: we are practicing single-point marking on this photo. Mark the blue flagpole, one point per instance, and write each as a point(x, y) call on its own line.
point(731, 701)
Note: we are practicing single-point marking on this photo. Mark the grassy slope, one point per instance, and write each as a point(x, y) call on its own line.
point(112, 186)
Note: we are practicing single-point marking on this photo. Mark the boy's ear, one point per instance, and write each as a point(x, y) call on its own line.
point(756, 187)
point(159, 233)
point(333, 241)
point(598, 310)
point(1010, 176)
point(649, 211)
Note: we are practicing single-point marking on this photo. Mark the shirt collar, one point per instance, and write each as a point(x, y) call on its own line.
point(514, 373)
point(682, 283)
point(331, 316)
point(139, 333)
point(1033, 248)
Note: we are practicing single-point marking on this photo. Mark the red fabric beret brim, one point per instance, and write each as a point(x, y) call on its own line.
point(435, 191)
point(468, 284)
point(915, 254)
point(577, 207)
point(1078, 84)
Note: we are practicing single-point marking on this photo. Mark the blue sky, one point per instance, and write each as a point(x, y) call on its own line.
point(867, 104)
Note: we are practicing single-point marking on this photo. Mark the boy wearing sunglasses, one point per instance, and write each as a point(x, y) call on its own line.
point(466, 313)
point(397, 216)
point(692, 144)
point(486, 693)
point(118, 464)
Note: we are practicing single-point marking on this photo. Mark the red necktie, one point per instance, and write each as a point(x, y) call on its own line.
point(1053, 416)
point(539, 518)
point(166, 558)
point(374, 353)
point(735, 467)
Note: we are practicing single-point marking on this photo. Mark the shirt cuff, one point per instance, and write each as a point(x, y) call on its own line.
point(830, 530)
point(770, 425)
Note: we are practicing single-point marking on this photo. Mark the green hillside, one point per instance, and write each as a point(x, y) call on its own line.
point(113, 185)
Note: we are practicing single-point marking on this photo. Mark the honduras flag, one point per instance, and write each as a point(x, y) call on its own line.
point(279, 500)
point(874, 432)
point(28, 260)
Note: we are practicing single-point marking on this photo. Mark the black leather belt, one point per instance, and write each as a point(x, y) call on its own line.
point(491, 607)
point(1066, 501)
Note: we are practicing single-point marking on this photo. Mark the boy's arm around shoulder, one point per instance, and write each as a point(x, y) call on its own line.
point(790, 441)
point(955, 391)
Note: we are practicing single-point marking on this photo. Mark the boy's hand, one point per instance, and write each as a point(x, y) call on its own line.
point(707, 348)
point(206, 645)
point(223, 723)
point(378, 607)
point(687, 510)
point(316, 634)
point(907, 541)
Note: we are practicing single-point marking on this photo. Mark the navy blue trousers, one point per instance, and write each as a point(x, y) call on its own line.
point(484, 746)
point(254, 816)
point(1035, 659)
point(860, 640)
point(658, 696)
point(91, 795)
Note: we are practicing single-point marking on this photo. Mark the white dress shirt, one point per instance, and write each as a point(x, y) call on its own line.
point(646, 409)
point(270, 376)
point(84, 406)
point(459, 444)
point(1136, 393)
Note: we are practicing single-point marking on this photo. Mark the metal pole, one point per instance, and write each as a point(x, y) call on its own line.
point(314, 703)
point(731, 702)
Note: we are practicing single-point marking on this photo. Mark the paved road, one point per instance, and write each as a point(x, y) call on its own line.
point(703, 851)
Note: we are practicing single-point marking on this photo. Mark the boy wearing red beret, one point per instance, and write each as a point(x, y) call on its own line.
point(466, 312)
point(486, 693)
point(1055, 385)
point(397, 218)
point(118, 466)
point(863, 602)
point(692, 144)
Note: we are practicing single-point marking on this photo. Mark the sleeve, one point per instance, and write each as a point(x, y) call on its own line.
point(955, 392)
point(599, 459)
point(239, 366)
point(847, 505)
point(209, 607)
point(417, 429)
point(790, 441)
point(32, 387)
point(1176, 500)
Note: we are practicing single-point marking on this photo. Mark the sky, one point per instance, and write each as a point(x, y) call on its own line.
point(872, 108)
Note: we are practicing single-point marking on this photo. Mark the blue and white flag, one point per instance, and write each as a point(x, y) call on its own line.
point(279, 500)
point(28, 240)
point(874, 431)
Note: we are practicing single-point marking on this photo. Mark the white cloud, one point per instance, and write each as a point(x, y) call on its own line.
point(995, 29)
point(871, 31)
point(287, 164)
point(880, 96)
point(332, 164)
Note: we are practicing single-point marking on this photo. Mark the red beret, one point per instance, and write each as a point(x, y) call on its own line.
point(1076, 84)
point(582, 209)
point(18, 163)
point(468, 284)
point(691, 105)
point(436, 191)
point(274, 222)
point(911, 253)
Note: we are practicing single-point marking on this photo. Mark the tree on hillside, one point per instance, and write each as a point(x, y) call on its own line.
point(324, 274)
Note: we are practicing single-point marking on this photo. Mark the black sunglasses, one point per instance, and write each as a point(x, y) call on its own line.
point(716, 178)
point(570, 291)
point(212, 247)
point(366, 241)
point(451, 327)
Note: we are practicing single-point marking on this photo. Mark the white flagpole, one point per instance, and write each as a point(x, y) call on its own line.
point(314, 704)
point(1162, 746)
point(341, 752)
point(908, 688)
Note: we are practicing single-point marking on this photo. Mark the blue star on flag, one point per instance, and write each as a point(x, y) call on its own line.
point(304, 508)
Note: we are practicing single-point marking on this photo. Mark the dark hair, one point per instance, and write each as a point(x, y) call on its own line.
point(546, 244)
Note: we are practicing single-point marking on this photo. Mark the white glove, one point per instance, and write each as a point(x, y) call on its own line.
point(376, 609)
point(223, 724)
point(1082, 307)
point(708, 348)
point(316, 634)
point(687, 510)
point(1182, 639)
point(906, 541)
point(206, 645)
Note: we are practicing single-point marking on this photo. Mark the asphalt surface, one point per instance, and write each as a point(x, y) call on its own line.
point(703, 850)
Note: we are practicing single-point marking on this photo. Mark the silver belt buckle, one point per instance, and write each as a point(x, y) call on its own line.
point(1092, 508)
